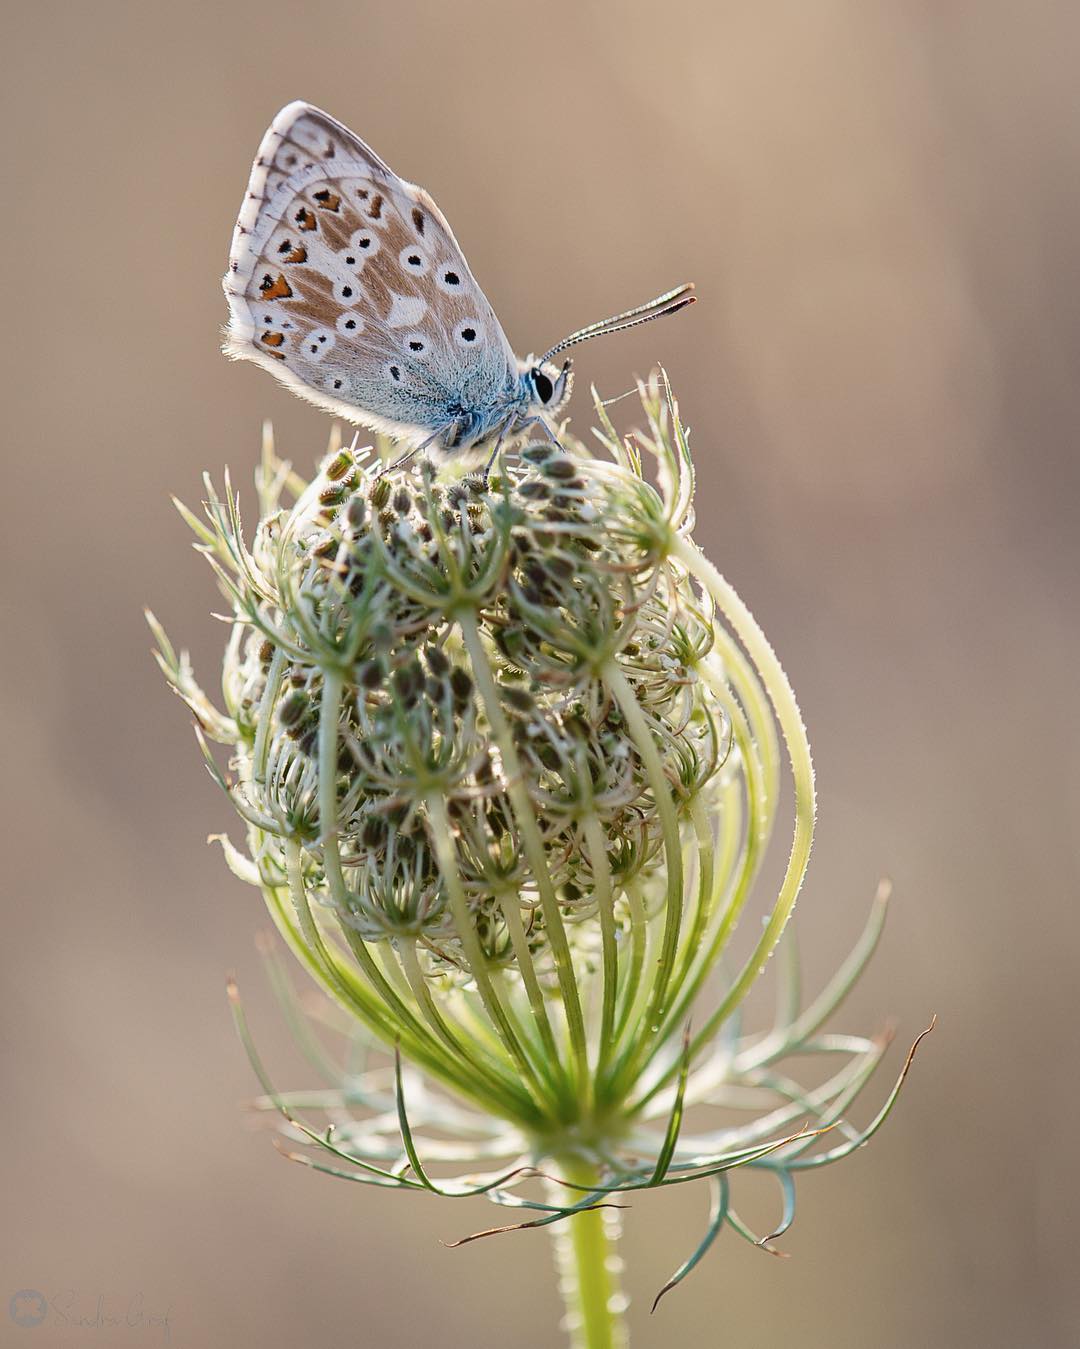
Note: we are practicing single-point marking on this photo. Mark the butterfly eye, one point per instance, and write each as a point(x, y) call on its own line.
point(543, 385)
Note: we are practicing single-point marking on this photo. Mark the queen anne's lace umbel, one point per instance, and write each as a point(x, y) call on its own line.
point(508, 759)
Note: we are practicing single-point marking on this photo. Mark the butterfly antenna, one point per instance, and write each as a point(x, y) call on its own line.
point(669, 303)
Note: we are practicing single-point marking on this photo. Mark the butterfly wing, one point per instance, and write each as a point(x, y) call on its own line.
point(347, 284)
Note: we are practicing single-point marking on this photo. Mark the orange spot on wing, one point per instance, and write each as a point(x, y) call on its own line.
point(273, 339)
point(306, 219)
point(270, 289)
point(327, 199)
point(293, 252)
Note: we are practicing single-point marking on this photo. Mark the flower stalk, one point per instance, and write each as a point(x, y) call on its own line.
point(589, 1267)
point(508, 761)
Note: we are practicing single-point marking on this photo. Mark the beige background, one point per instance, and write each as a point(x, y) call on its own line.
point(881, 207)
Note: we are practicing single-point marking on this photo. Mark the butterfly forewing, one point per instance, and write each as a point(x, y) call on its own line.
point(347, 283)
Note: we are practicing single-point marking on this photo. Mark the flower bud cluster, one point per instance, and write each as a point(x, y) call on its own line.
point(557, 583)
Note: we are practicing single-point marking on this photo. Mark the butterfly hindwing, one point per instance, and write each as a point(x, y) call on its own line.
point(346, 282)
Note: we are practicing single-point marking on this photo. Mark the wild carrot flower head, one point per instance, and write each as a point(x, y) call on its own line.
point(508, 760)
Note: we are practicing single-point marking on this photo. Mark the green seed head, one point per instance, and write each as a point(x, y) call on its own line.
point(571, 614)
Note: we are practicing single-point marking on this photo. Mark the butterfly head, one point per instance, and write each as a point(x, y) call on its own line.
point(545, 386)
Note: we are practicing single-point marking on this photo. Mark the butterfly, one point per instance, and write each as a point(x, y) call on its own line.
point(347, 284)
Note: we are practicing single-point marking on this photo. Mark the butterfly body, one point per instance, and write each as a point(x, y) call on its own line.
point(346, 283)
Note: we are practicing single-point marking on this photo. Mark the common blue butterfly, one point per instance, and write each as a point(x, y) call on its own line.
point(346, 282)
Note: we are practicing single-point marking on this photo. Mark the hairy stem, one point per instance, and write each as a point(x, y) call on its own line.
point(588, 1266)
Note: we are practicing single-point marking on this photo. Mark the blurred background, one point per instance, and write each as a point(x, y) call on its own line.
point(881, 209)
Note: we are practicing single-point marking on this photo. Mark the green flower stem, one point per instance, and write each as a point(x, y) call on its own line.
point(328, 752)
point(791, 725)
point(266, 719)
point(634, 989)
point(298, 930)
point(745, 678)
point(589, 1266)
point(758, 822)
point(547, 1061)
point(533, 844)
point(673, 857)
point(602, 875)
point(500, 1018)
point(422, 992)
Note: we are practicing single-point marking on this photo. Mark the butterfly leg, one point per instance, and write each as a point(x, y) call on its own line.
point(397, 463)
point(406, 457)
point(494, 454)
point(544, 426)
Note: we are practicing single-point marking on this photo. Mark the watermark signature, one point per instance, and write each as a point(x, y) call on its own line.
point(28, 1307)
